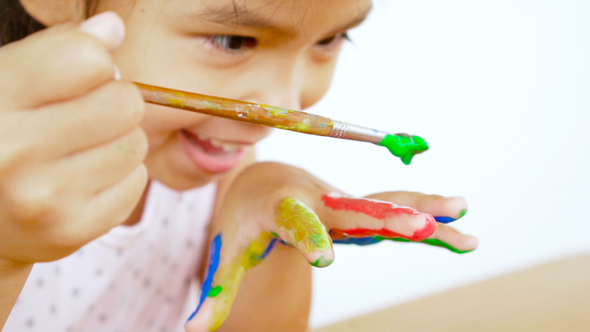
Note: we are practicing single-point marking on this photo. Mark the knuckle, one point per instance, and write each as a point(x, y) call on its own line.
point(137, 140)
point(70, 237)
point(13, 155)
point(32, 202)
point(129, 101)
point(88, 55)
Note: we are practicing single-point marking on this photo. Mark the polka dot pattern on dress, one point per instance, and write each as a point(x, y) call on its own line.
point(132, 277)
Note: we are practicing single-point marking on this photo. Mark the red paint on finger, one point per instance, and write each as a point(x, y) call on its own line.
point(371, 207)
point(418, 235)
point(336, 233)
point(379, 210)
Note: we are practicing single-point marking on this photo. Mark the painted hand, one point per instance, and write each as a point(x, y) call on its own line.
point(272, 203)
point(446, 210)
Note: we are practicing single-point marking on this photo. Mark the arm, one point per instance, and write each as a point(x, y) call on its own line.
point(12, 279)
point(269, 203)
point(276, 295)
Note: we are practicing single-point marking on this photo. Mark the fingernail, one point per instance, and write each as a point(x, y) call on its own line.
point(117, 74)
point(321, 258)
point(107, 27)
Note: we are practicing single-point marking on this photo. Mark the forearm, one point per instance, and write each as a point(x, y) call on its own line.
point(274, 296)
point(12, 279)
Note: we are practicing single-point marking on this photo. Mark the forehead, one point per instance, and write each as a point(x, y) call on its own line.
point(281, 14)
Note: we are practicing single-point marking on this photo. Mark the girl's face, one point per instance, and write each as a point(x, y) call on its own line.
point(276, 52)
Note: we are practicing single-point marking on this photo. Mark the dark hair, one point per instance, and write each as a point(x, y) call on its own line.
point(16, 23)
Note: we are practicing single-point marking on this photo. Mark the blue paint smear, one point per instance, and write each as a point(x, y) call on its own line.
point(444, 220)
point(214, 252)
point(269, 247)
point(359, 241)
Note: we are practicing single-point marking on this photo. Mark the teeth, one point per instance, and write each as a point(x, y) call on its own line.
point(201, 137)
point(226, 147)
point(216, 143)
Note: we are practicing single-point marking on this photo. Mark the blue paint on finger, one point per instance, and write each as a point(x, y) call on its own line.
point(269, 247)
point(444, 220)
point(214, 253)
point(359, 241)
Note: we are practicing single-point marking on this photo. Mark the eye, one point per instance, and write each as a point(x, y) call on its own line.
point(229, 43)
point(334, 41)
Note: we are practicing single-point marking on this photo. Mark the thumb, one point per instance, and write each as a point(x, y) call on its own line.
point(74, 60)
point(300, 226)
point(227, 266)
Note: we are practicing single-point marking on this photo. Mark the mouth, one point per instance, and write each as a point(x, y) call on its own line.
point(212, 155)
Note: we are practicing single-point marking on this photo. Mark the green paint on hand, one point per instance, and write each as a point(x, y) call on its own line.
point(322, 262)
point(317, 239)
point(215, 291)
point(436, 243)
point(462, 213)
point(404, 146)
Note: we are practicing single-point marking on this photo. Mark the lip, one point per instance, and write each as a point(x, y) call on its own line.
point(213, 163)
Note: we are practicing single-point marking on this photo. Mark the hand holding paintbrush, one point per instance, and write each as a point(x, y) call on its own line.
point(401, 145)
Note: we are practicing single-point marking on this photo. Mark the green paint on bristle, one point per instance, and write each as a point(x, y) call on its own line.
point(404, 146)
point(215, 291)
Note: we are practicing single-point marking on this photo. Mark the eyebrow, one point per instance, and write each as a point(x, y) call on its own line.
point(239, 16)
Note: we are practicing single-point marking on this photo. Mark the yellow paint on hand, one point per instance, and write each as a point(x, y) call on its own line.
point(231, 274)
point(303, 226)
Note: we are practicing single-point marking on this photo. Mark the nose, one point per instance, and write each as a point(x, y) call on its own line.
point(278, 84)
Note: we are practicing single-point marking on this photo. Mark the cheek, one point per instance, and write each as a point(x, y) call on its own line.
point(317, 83)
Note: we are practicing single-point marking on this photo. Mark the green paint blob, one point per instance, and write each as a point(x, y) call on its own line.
point(215, 291)
point(404, 146)
point(462, 213)
point(436, 243)
point(274, 234)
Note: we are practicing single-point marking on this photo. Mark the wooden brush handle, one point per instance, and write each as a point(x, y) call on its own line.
point(265, 115)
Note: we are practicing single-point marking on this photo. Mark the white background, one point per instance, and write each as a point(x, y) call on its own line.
point(501, 91)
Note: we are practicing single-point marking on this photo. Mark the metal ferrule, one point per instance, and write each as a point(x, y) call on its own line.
point(353, 132)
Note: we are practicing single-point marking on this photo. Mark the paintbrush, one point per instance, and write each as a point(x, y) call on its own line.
point(401, 145)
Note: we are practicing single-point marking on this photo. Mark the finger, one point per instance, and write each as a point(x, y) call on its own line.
point(108, 164)
point(300, 226)
point(110, 111)
point(115, 203)
point(449, 238)
point(60, 62)
point(445, 209)
point(106, 27)
point(363, 217)
point(452, 239)
point(224, 275)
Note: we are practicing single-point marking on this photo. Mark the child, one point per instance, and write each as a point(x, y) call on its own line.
point(87, 168)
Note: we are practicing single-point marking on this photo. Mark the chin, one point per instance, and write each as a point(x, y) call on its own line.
point(184, 182)
point(179, 180)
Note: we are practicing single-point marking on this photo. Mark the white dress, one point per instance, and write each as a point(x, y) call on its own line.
point(132, 279)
